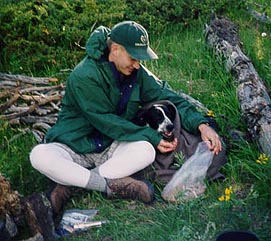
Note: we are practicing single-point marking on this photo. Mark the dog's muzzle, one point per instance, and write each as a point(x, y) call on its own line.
point(168, 134)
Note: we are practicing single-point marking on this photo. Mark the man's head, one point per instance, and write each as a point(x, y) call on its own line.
point(129, 43)
point(134, 38)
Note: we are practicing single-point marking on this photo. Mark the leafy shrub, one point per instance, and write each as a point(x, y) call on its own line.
point(156, 15)
point(34, 32)
point(43, 34)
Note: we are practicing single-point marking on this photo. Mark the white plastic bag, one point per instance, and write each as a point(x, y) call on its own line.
point(188, 181)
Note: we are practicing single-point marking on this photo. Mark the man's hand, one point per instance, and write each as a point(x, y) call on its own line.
point(211, 138)
point(165, 146)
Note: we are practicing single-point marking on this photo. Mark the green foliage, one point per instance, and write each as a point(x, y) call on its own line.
point(156, 15)
point(257, 44)
point(33, 33)
point(14, 162)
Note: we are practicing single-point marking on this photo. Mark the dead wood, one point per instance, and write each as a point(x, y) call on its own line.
point(222, 35)
point(26, 79)
point(31, 119)
point(30, 101)
point(5, 84)
point(10, 102)
point(19, 114)
point(42, 88)
point(41, 99)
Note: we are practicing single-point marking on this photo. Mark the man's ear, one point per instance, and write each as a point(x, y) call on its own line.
point(114, 49)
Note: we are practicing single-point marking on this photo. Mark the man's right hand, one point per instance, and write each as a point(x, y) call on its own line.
point(165, 146)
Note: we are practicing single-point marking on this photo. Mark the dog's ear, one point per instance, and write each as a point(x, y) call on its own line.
point(139, 118)
point(171, 112)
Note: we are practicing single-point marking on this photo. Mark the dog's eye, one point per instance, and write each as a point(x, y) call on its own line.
point(158, 116)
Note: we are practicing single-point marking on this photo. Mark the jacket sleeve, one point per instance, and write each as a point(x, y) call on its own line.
point(154, 89)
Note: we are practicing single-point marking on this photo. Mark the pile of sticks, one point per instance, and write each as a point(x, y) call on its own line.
point(30, 101)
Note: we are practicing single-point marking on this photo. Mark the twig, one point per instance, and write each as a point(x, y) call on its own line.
point(15, 115)
point(9, 102)
point(7, 84)
point(43, 88)
point(27, 79)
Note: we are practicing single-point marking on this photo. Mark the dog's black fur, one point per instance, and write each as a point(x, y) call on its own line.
point(159, 117)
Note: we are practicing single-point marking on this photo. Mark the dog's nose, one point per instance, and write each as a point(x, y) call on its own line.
point(170, 127)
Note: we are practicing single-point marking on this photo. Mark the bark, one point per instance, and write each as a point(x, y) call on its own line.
point(25, 79)
point(222, 35)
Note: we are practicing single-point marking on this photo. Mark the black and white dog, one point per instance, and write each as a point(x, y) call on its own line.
point(159, 117)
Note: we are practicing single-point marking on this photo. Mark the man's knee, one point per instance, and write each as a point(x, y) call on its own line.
point(147, 150)
point(36, 155)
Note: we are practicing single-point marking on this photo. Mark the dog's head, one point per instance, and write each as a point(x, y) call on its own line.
point(159, 117)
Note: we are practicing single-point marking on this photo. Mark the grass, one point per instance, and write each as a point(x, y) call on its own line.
point(188, 64)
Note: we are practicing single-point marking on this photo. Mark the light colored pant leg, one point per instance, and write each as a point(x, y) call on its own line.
point(127, 159)
point(59, 163)
point(56, 163)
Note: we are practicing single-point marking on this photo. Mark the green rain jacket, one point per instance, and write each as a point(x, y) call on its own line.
point(88, 121)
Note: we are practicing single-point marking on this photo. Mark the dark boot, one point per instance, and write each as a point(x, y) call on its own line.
point(59, 196)
point(130, 188)
point(39, 217)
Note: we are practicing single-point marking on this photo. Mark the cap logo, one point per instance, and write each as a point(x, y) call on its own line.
point(144, 41)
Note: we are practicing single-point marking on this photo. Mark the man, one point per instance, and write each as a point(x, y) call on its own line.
point(94, 144)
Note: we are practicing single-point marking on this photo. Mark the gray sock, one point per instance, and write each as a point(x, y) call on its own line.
point(96, 181)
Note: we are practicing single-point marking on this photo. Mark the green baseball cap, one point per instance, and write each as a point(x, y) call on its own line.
point(134, 38)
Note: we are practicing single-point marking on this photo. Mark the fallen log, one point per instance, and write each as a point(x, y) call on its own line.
point(222, 35)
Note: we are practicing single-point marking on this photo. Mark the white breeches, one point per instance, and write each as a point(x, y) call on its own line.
point(62, 165)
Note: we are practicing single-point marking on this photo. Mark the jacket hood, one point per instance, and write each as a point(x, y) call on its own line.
point(96, 43)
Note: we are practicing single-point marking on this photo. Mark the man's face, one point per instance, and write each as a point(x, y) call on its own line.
point(123, 61)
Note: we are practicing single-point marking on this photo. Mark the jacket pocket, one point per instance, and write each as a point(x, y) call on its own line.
point(133, 104)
